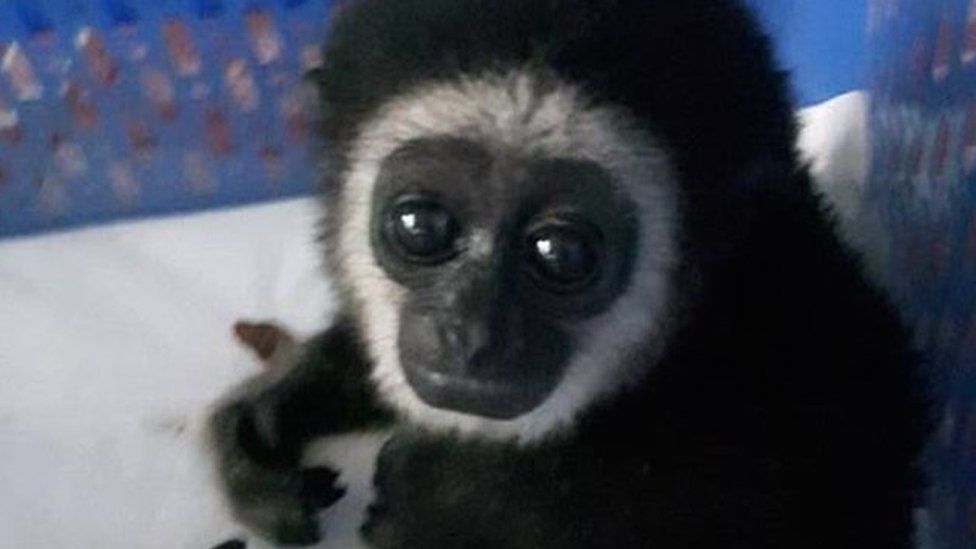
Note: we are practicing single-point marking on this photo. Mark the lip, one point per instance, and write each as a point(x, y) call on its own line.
point(486, 398)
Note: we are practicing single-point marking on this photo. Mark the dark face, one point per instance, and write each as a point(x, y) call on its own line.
point(501, 257)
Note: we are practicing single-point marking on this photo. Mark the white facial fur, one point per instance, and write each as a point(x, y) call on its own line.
point(516, 112)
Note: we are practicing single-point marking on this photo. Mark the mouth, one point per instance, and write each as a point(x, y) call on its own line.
point(479, 397)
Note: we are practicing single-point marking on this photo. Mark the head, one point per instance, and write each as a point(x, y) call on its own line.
point(506, 231)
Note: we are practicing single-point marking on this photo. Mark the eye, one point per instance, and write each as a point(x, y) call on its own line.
point(422, 230)
point(564, 257)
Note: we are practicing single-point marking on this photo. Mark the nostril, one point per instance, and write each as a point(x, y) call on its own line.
point(474, 334)
point(464, 350)
point(480, 360)
point(450, 341)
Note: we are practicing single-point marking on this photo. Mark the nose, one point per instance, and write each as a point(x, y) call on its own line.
point(476, 325)
point(468, 334)
point(478, 347)
point(474, 338)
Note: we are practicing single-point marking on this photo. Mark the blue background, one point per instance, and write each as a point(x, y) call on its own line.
point(823, 43)
point(57, 173)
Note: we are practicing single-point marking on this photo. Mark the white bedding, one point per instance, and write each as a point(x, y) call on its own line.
point(114, 340)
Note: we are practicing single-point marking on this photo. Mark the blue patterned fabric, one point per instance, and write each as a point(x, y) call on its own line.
point(121, 108)
point(921, 199)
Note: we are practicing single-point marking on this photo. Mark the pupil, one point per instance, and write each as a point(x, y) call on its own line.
point(423, 229)
point(564, 256)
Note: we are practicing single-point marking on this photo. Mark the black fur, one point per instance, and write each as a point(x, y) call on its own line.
point(259, 433)
point(785, 412)
point(231, 544)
